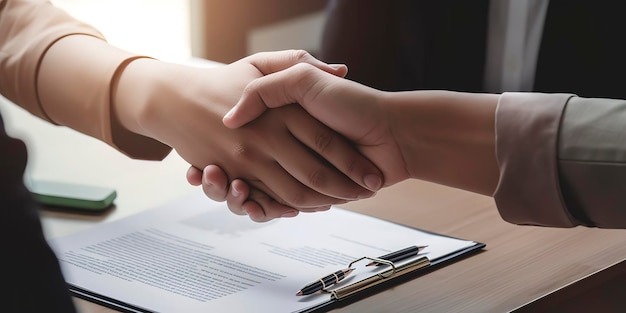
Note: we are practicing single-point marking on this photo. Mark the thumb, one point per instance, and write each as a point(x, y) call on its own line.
point(275, 61)
point(274, 90)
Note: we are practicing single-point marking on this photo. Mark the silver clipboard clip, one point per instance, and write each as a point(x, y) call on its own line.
point(378, 278)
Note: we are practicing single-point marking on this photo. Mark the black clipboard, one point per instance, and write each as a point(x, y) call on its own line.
point(333, 302)
point(420, 270)
point(92, 295)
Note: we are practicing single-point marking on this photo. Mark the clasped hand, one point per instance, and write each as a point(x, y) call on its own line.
point(290, 159)
point(351, 109)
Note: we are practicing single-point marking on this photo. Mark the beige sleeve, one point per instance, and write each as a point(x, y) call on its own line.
point(66, 84)
point(529, 190)
point(562, 160)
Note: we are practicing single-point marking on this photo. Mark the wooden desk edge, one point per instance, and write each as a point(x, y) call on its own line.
point(602, 291)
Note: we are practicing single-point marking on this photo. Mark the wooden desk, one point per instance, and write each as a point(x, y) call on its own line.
point(525, 268)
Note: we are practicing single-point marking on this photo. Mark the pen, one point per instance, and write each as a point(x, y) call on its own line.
point(324, 282)
point(399, 255)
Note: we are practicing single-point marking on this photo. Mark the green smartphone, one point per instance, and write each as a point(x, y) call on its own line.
point(73, 196)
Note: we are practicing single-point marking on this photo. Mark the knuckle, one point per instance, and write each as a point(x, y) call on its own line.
point(316, 178)
point(301, 55)
point(242, 153)
point(303, 77)
point(298, 74)
point(303, 69)
point(323, 140)
point(352, 166)
point(251, 87)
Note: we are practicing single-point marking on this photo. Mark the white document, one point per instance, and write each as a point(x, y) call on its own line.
point(194, 255)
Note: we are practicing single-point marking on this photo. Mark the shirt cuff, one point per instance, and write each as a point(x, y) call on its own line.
point(527, 127)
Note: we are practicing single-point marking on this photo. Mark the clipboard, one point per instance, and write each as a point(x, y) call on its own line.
point(215, 232)
point(338, 297)
point(343, 295)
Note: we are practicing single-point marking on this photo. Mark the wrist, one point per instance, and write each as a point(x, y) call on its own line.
point(448, 137)
point(149, 97)
point(171, 102)
point(132, 95)
point(129, 100)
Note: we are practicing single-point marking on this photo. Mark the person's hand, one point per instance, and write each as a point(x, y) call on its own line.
point(277, 154)
point(351, 109)
point(258, 206)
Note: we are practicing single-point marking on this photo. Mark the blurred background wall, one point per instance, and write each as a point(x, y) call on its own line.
point(219, 30)
point(227, 30)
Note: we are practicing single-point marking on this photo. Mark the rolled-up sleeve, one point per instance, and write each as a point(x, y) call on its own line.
point(28, 29)
point(562, 160)
point(80, 82)
point(527, 128)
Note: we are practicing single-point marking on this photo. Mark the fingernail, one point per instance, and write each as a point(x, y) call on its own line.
point(291, 213)
point(336, 66)
point(373, 182)
point(235, 192)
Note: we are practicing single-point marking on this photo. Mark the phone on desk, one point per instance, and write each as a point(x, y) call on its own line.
point(72, 196)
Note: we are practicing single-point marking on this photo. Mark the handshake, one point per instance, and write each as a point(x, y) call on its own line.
point(301, 138)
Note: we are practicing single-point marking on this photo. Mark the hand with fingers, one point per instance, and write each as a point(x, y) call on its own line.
point(289, 161)
point(351, 109)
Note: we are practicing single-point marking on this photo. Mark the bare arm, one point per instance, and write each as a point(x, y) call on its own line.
point(447, 137)
point(440, 136)
point(63, 71)
point(548, 159)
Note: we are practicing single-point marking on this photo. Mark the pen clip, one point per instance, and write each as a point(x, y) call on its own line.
point(378, 278)
point(383, 275)
point(390, 272)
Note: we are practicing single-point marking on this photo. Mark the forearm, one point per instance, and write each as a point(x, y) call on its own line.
point(76, 88)
point(62, 70)
point(447, 137)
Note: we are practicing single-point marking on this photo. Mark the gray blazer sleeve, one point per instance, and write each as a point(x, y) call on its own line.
point(562, 160)
point(592, 161)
